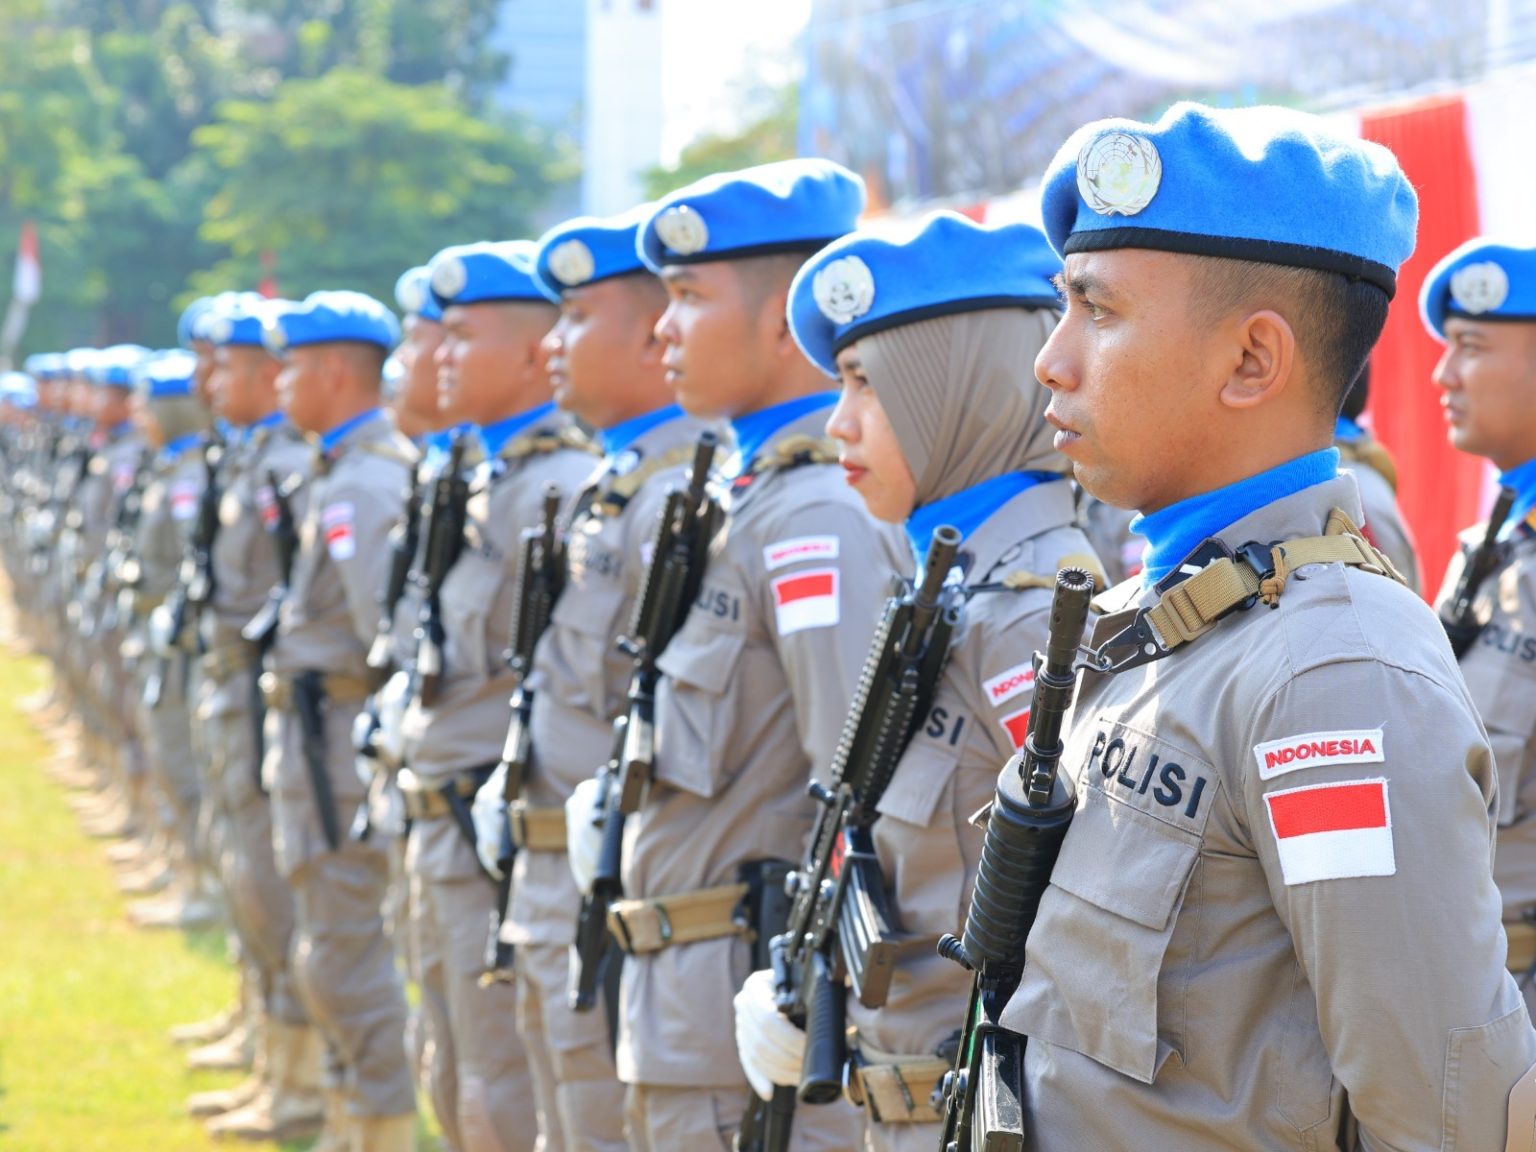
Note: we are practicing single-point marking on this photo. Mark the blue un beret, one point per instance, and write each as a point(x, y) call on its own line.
point(330, 318)
point(166, 375)
point(882, 278)
point(492, 271)
point(236, 319)
point(1481, 280)
point(1265, 184)
point(785, 207)
point(18, 390)
point(114, 367)
point(45, 365)
point(589, 249)
point(186, 327)
point(413, 294)
point(80, 362)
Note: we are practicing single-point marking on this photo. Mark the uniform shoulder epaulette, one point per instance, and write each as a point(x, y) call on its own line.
point(545, 441)
point(394, 448)
point(616, 496)
point(1373, 455)
point(790, 453)
point(1018, 579)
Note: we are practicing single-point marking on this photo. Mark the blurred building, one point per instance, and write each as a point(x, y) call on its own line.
point(624, 111)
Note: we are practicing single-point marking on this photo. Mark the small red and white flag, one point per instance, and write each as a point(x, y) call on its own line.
point(27, 284)
point(1333, 831)
point(806, 600)
point(799, 548)
point(122, 477)
point(266, 504)
point(184, 496)
point(1016, 724)
point(340, 536)
point(1006, 685)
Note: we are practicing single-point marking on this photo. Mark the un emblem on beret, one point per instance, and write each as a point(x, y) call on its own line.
point(1118, 173)
point(412, 296)
point(449, 278)
point(218, 329)
point(844, 289)
point(571, 262)
point(1479, 288)
point(273, 338)
point(682, 230)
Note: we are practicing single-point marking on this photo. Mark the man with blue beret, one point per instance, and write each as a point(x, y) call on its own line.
point(333, 346)
point(415, 405)
point(604, 364)
point(757, 682)
point(175, 422)
point(1273, 921)
point(493, 387)
point(282, 1097)
point(1480, 301)
point(933, 328)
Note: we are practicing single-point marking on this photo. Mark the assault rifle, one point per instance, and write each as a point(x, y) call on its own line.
point(444, 543)
point(1460, 621)
point(119, 543)
point(403, 540)
point(983, 1096)
point(840, 924)
point(689, 520)
point(540, 580)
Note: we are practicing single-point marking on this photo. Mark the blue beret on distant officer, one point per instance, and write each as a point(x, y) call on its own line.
point(45, 365)
point(884, 277)
point(413, 294)
point(237, 320)
point(114, 367)
point(499, 271)
point(80, 362)
point(589, 249)
point(1270, 185)
point(186, 327)
point(166, 375)
point(1482, 280)
point(18, 389)
point(791, 206)
point(332, 317)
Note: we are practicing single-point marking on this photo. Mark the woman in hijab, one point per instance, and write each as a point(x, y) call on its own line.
point(933, 334)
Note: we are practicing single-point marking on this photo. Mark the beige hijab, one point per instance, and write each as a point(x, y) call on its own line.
point(961, 395)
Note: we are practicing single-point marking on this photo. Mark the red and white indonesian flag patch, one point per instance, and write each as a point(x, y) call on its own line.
point(1319, 750)
point(184, 496)
point(1016, 724)
point(1333, 831)
point(340, 535)
point(266, 503)
point(806, 600)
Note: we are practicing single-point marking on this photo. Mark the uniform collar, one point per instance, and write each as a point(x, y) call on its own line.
point(1175, 531)
point(754, 429)
point(178, 447)
point(494, 437)
point(969, 508)
point(621, 436)
point(331, 440)
point(1522, 478)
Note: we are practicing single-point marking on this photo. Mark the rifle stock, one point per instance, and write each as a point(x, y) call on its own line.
point(1460, 620)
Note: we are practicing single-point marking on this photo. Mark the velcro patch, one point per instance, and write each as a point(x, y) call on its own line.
point(1319, 750)
point(799, 548)
point(806, 600)
point(1333, 831)
point(340, 538)
point(1014, 682)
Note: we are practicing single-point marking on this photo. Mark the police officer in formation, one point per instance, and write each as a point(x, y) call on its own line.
point(380, 683)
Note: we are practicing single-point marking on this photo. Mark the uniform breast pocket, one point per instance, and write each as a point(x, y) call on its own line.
point(591, 618)
point(918, 840)
point(1095, 954)
point(693, 705)
point(476, 618)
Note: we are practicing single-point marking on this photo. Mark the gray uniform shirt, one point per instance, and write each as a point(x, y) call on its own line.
point(1275, 905)
point(754, 690)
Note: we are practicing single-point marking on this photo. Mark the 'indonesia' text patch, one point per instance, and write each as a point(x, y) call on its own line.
point(1333, 831)
point(1318, 750)
point(806, 600)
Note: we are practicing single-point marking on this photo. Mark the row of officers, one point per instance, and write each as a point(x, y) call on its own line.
point(799, 677)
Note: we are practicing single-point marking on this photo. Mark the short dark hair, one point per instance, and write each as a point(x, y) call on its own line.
point(762, 276)
point(1359, 394)
point(1337, 319)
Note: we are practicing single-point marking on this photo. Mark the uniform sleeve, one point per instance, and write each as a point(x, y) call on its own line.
point(1368, 790)
point(822, 610)
point(355, 523)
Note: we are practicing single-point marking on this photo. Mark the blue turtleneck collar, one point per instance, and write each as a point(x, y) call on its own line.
point(120, 429)
point(1347, 430)
point(1522, 479)
point(178, 447)
point(621, 436)
point(754, 429)
point(968, 509)
point(335, 436)
point(494, 437)
point(1177, 530)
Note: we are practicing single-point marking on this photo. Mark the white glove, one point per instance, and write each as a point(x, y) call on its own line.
point(771, 1049)
point(489, 812)
point(583, 836)
point(392, 700)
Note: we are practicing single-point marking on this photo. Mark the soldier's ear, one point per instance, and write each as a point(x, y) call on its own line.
point(1263, 360)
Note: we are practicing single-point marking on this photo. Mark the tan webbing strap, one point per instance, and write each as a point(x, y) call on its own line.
point(1372, 455)
point(1019, 578)
point(894, 1089)
point(1190, 609)
point(623, 488)
point(391, 449)
point(1522, 1114)
point(645, 926)
point(537, 829)
point(800, 449)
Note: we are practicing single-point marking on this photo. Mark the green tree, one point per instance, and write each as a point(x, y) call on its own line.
point(349, 179)
point(768, 135)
